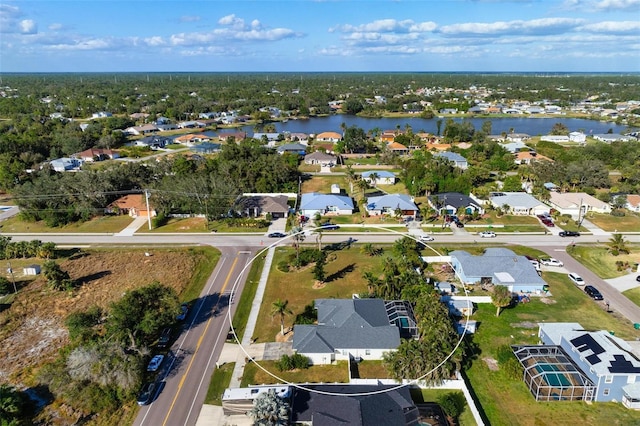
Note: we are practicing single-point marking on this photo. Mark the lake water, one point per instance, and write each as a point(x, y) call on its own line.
point(528, 125)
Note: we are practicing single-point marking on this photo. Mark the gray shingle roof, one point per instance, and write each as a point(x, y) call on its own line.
point(347, 324)
point(502, 264)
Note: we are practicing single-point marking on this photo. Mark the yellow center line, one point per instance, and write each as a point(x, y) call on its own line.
point(184, 376)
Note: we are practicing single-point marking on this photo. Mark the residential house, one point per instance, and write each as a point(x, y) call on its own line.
point(166, 127)
point(139, 116)
point(613, 137)
point(268, 138)
point(191, 139)
point(577, 204)
point(518, 137)
point(232, 136)
point(633, 203)
point(162, 120)
point(190, 124)
point(577, 137)
point(239, 401)
point(65, 164)
point(313, 203)
point(328, 137)
point(261, 205)
point(452, 202)
point(141, 130)
point(101, 114)
point(331, 404)
point(154, 142)
point(206, 148)
point(514, 147)
point(397, 148)
point(528, 157)
point(555, 138)
point(455, 158)
point(577, 364)
point(135, 205)
point(518, 203)
point(389, 136)
point(302, 138)
point(347, 329)
point(388, 205)
point(208, 115)
point(498, 266)
point(292, 148)
point(382, 177)
point(321, 158)
point(96, 154)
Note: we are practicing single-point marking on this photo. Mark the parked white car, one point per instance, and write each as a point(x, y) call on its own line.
point(155, 363)
point(487, 234)
point(550, 261)
point(576, 278)
point(426, 238)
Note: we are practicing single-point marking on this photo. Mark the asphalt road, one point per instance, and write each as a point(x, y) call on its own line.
point(185, 378)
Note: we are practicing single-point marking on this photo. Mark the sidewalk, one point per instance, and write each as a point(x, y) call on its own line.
point(131, 229)
point(594, 229)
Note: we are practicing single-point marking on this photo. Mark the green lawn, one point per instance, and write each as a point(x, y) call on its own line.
point(602, 263)
point(219, 382)
point(336, 373)
point(100, 224)
point(432, 395)
point(198, 224)
point(507, 401)
point(630, 222)
point(633, 295)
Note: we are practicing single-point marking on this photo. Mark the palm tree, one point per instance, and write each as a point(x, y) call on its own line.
point(270, 410)
point(373, 178)
point(362, 185)
point(617, 244)
point(501, 297)
point(351, 176)
point(281, 308)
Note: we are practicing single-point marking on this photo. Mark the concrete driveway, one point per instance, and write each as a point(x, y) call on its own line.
point(625, 282)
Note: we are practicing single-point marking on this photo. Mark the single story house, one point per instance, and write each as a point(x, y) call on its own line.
point(260, 205)
point(190, 124)
point(518, 203)
point(96, 154)
point(232, 136)
point(347, 329)
point(389, 203)
point(332, 137)
point(577, 204)
point(455, 158)
point(577, 137)
point(330, 404)
point(498, 266)
point(139, 115)
point(577, 364)
point(514, 147)
point(65, 164)
point(31, 270)
point(451, 202)
point(191, 139)
point(382, 177)
point(166, 127)
point(101, 114)
point(239, 401)
point(397, 148)
point(528, 157)
point(633, 203)
point(206, 148)
point(613, 137)
point(314, 202)
point(292, 148)
point(154, 142)
point(518, 137)
point(321, 158)
point(141, 130)
point(135, 205)
point(268, 137)
point(555, 138)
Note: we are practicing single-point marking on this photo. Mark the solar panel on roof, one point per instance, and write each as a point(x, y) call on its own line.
point(621, 365)
point(593, 359)
point(585, 342)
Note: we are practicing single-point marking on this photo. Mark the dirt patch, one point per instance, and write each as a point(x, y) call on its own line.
point(548, 301)
point(524, 324)
point(491, 363)
point(318, 285)
point(32, 330)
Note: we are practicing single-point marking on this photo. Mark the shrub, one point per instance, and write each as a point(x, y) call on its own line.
point(512, 369)
point(452, 404)
point(504, 354)
point(295, 361)
point(308, 315)
point(283, 266)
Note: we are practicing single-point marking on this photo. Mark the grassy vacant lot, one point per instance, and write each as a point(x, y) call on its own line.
point(344, 278)
point(198, 224)
point(106, 224)
point(323, 184)
point(602, 263)
point(507, 401)
point(337, 373)
point(630, 222)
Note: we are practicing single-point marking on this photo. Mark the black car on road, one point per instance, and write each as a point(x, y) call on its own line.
point(569, 234)
point(277, 235)
point(593, 292)
point(147, 393)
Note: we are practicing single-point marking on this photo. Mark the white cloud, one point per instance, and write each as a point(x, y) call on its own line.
point(617, 4)
point(55, 27)
point(155, 41)
point(534, 26)
point(386, 26)
point(28, 26)
point(615, 27)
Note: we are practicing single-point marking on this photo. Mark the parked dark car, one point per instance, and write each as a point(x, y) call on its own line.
point(329, 226)
point(277, 235)
point(184, 311)
point(147, 393)
point(593, 292)
point(638, 278)
point(165, 337)
point(569, 234)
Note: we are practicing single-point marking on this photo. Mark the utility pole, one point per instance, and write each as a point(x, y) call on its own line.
point(13, 280)
point(146, 197)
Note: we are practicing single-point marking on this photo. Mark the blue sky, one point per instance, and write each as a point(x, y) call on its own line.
point(320, 35)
